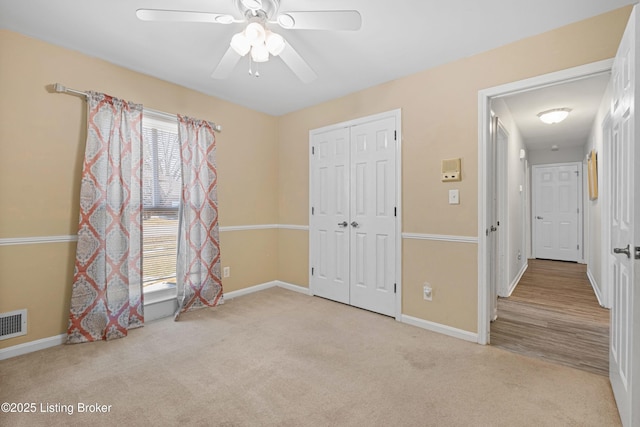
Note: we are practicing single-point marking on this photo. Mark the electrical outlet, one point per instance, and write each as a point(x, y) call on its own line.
point(427, 292)
point(226, 272)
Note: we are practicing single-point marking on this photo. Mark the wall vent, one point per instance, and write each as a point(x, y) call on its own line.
point(13, 324)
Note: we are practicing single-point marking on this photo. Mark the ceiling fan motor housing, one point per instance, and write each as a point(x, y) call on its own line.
point(253, 8)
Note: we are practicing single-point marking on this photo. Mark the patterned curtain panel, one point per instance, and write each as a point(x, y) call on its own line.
point(198, 268)
point(106, 298)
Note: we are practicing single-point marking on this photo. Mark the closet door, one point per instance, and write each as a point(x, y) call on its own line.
point(373, 221)
point(352, 225)
point(329, 224)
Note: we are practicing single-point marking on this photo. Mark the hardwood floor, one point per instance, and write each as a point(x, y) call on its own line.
point(553, 314)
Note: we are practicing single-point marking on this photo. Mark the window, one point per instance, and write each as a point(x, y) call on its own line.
point(161, 186)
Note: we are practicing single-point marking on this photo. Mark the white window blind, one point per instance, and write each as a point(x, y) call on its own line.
point(161, 186)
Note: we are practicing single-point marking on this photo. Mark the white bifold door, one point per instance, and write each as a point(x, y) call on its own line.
point(353, 214)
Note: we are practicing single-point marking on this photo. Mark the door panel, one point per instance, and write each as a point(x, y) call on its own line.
point(624, 356)
point(556, 193)
point(329, 241)
point(373, 164)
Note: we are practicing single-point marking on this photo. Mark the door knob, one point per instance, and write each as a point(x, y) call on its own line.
point(539, 217)
point(354, 224)
point(493, 228)
point(343, 224)
point(625, 251)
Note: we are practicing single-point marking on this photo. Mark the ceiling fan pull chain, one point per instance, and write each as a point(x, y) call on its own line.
point(250, 72)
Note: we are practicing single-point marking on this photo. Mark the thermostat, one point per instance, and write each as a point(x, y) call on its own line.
point(451, 170)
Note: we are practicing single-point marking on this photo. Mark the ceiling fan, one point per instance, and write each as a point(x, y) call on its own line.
point(256, 40)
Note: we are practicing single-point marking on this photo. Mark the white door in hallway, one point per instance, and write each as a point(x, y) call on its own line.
point(556, 221)
point(624, 354)
point(353, 215)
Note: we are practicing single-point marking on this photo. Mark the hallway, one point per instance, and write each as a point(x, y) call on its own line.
point(554, 315)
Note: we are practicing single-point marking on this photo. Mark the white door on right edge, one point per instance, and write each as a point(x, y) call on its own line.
point(624, 352)
point(556, 197)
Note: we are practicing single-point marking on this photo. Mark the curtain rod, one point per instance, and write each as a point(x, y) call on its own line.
point(63, 89)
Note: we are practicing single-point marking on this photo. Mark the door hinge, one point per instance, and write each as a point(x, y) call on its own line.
point(312, 270)
point(577, 210)
point(498, 223)
point(395, 211)
point(395, 286)
point(578, 247)
point(637, 252)
point(395, 135)
point(313, 210)
point(313, 150)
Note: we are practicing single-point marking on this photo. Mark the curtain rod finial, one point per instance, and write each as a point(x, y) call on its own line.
point(59, 88)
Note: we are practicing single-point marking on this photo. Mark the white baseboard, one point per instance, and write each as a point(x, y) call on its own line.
point(251, 289)
point(439, 328)
point(594, 285)
point(263, 286)
point(514, 283)
point(292, 287)
point(30, 347)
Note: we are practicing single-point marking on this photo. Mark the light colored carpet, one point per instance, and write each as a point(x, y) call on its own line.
point(281, 358)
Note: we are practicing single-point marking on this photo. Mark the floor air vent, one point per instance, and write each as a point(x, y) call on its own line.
point(13, 324)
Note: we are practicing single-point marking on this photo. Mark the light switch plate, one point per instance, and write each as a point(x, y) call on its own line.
point(454, 197)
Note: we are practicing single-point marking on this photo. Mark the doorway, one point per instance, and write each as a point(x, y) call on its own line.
point(543, 219)
point(517, 251)
point(354, 218)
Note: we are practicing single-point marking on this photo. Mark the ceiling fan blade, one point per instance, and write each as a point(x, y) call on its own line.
point(226, 65)
point(345, 20)
point(184, 16)
point(298, 65)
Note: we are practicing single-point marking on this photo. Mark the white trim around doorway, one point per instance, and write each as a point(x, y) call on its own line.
point(484, 116)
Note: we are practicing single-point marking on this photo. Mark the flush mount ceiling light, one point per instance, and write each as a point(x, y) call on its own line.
point(554, 116)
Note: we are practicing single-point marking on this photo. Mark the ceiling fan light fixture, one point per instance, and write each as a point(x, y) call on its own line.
point(240, 44)
point(224, 19)
point(553, 116)
point(255, 34)
point(259, 53)
point(275, 43)
point(252, 4)
point(286, 21)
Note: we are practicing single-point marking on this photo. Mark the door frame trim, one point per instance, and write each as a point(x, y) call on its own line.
point(397, 115)
point(484, 117)
point(581, 218)
point(605, 178)
point(502, 273)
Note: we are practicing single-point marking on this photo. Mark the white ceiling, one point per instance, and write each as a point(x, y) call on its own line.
point(397, 38)
point(582, 96)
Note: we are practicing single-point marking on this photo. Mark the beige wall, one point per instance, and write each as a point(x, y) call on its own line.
point(439, 121)
point(263, 168)
point(41, 149)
